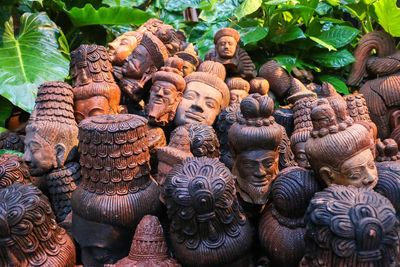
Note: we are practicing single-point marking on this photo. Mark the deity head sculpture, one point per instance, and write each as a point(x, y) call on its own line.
point(51, 133)
point(238, 88)
point(13, 170)
point(226, 42)
point(207, 226)
point(340, 153)
point(116, 190)
point(95, 91)
point(349, 226)
point(259, 85)
point(254, 141)
point(141, 64)
point(149, 247)
point(190, 58)
point(165, 95)
point(29, 234)
point(205, 95)
point(120, 48)
point(281, 229)
point(203, 140)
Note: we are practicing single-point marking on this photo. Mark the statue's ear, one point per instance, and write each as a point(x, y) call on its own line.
point(60, 154)
point(326, 174)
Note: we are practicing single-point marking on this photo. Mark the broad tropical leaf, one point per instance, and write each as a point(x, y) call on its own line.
point(339, 85)
point(253, 34)
point(388, 16)
point(247, 7)
point(335, 59)
point(30, 58)
point(339, 36)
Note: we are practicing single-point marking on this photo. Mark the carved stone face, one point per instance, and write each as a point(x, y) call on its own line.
point(40, 156)
point(187, 68)
point(200, 103)
point(121, 48)
point(226, 47)
point(237, 96)
point(93, 106)
point(138, 63)
point(359, 171)
point(300, 155)
point(163, 100)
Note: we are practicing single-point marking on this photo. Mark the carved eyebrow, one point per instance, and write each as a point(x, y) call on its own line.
point(189, 91)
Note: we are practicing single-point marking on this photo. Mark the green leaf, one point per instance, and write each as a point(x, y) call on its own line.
point(275, 2)
point(339, 85)
point(12, 152)
point(127, 3)
point(339, 36)
point(221, 11)
point(388, 16)
point(333, 2)
point(322, 43)
point(5, 110)
point(247, 7)
point(286, 61)
point(180, 5)
point(253, 34)
point(284, 35)
point(336, 59)
point(29, 59)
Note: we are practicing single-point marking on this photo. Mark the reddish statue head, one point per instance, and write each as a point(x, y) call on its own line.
point(190, 58)
point(120, 48)
point(239, 89)
point(226, 42)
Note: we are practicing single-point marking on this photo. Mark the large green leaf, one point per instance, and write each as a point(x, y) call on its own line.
point(5, 110)
point(127, 3)
point(29, 59)
point(388, 16)
point(339, 84)
point(251, 35)
point(339, 36)
point(322, 43)
point(247, 7)
point(335, 59)
point(12, 152)
point(283, 35)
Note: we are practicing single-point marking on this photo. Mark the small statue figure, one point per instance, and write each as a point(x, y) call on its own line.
point(238, 88)
point(149, 248)
point(203, 140)
point(259, 85)
point(122, 46)
point(95, 91)
point(340, 153)
point(227, 51)
point(282, 226)
point(207, 226)
point(206, 94)
point(254, 141)
point(165, 95)
point(29, 234)
point(381, 89)
point(156, 139)
point(12, 141)
point(139, 67)
point(116, 190)
point(52, 133)
point(349, 226)
point(13, 170)
point(190, 58)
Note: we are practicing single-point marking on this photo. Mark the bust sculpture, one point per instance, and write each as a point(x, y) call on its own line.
point(29, 234)
point(207, 227)
point(13, 170)
point(122, 46)
point(95, 91)
point(206, 94)
point(190, 58)
point(116, 190)
point(238, 88)
point(139, 67)
point(349, 226)
point(165, 95)
point(227, 51)
point(203, 140)
point(149, 248)
point(254, 141)
point(52, 133)
point(340, 153)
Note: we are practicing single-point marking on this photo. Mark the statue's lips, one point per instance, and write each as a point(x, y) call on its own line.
point(260, 181)
point(194, 116)
point(158, 101)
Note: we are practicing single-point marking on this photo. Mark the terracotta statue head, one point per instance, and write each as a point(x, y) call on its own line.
point(207, 227)
point(95, 91)
point(165, 95)
point(149, 247)
point(226, 42)
point(259, 85)
point(51, 133)
point(205, 96)
point(349, 226)
point(116, 190)
point(29, 234)
point(254, 141)
point(12, 170)
point(203, 140)
point(340, 153)
point(238, 88)
point(122, 47)
point(190, 58)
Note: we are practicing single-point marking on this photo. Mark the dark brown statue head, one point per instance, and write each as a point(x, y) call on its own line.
point(95, 91)
point(226, 42)
point(51, 133)
point(254, 141)
point(29, 234)
point(13, 170)
point(349, 226)
point(203, 140)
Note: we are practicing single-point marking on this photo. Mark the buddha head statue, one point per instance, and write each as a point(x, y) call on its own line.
point(205, 95)
point(207, 226)
point(226, 42)
point(13, 170)
point(254, 141)
point(120, 48)
point(190, 58)
point(340, 153)
point(349, 226)
point(29, 234)
point(51, 133)
point(238, 88)
point(94, 88)
point(203, 140)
